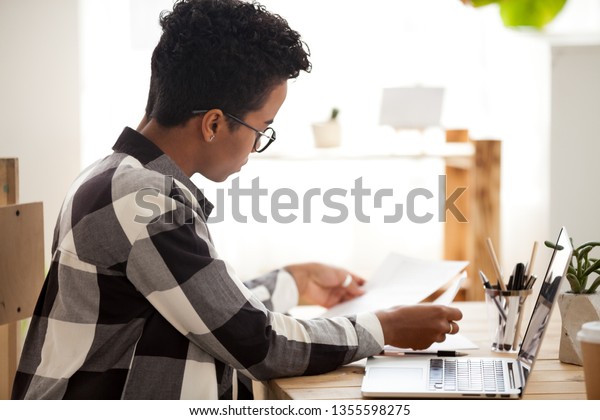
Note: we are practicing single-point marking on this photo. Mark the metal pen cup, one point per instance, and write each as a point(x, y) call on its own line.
point(505, 314)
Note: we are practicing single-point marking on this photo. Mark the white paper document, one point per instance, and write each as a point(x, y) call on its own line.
point(452, 342)
point(449, 294)
point(402, 280)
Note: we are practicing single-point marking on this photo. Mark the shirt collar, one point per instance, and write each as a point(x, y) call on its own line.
point(152, 157)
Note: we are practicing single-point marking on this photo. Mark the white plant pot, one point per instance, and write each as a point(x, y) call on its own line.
point(575, 310)
point(327, 134)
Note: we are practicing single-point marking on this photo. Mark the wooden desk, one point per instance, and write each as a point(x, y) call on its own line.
point(550, 379)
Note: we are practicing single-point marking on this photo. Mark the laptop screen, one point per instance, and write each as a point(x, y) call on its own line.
point(540, 317)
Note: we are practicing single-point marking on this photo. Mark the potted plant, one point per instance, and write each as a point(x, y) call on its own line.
point(581, 303)
point(328, 133)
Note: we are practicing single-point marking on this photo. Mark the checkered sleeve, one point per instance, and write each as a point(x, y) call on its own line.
point(174, 265)
point(277, 290)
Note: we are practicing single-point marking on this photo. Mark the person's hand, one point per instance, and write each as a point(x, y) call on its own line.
point(418, 326)
point(320, 284)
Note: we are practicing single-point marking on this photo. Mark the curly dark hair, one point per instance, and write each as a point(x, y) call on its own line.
point(225, 54)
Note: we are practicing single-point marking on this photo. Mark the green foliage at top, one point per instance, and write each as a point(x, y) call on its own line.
point(479, 3)
point(525, 13)
point(581, 267)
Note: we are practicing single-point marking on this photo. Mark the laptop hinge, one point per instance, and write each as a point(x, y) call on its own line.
point(518, 374)
point(515, 375)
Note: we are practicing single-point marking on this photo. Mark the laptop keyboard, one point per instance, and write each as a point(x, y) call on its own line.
point(466, 375)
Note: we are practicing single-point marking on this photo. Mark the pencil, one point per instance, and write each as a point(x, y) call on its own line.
point(495, 263)
point(519, 321)
point(531, 260)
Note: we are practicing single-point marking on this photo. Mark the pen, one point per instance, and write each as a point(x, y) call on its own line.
point(487, 285)
point(484, 280)
point(439, 353)
point(531, 260)
point(519, 282)
point(530, 282)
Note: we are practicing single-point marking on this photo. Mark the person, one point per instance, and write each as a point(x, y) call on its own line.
point(137, 303)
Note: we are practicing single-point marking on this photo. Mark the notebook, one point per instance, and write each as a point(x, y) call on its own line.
point(472, 377)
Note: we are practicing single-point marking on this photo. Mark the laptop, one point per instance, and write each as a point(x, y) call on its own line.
point(472, 377)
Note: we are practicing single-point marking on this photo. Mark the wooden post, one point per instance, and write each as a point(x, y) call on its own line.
point(458, 240)
point(9, 181)
point(479, 203)
point(486, 207)
point(21, 267)
point(9, 194)
point(8, 358)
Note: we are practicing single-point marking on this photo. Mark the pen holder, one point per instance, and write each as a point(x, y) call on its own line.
point(505, 313)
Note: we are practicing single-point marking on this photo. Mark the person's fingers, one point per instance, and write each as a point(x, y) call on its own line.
point(352, 287)
point(454, 314)
point(359, 280)
point(347, 281)
point(454, 328)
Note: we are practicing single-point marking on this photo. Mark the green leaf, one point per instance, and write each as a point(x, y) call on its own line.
point(585, 245)
point(585, 252)
point(533, 13)
point(479, 3)
point(592, 268)
point(334, 113)
point(594, 286)
point(574, 282)
point(552, 245)
point(580, 268)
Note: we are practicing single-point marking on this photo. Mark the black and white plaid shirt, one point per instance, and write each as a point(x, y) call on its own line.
point(137, 303)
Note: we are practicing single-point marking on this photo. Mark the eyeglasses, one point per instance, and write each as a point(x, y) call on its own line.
point(263, 138)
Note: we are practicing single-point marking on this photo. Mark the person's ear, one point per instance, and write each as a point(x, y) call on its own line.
point(212, 125)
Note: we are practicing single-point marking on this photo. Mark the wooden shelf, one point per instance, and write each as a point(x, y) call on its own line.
point(448, 151)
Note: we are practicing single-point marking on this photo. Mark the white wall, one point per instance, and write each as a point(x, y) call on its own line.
point(575, 140)
point(39, 99)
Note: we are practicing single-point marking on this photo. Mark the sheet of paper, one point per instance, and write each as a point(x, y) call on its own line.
point(452, 342)
point(401, 280)
point(449, 294)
